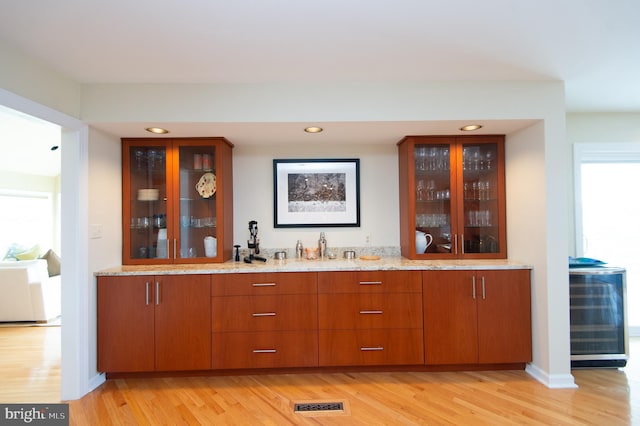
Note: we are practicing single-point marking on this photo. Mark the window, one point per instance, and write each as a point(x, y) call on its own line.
point(26, 218)
point(607, 210)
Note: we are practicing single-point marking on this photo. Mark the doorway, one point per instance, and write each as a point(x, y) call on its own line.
point(74, 164)
point(607, 211)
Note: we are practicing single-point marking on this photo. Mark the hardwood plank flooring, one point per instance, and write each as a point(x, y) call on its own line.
point(30, 372)
point(29, 364)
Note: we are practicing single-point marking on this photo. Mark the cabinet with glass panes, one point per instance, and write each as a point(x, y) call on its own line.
point(177, 200)
point(452, 197)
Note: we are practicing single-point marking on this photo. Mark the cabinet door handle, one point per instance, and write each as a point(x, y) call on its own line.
point(157, 292)
point(473, 287)
point(264, 351)
point(370, 282)
point(147, 293)
point(174, 247)
point(374, 348)
point(264, 314)
point(483, 293)
point(263, 284)
point(455, 243)
point(371, 312)
point(462, 242)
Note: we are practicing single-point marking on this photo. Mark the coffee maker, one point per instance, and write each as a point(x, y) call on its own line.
point(253, 243)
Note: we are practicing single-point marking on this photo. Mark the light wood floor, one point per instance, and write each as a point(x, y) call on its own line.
point(30, 372)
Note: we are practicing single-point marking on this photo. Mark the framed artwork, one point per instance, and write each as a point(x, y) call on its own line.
point(316, 193)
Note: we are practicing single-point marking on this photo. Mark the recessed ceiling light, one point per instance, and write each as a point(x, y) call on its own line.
point(471, 127)
point(313, 129)
point(157, 130)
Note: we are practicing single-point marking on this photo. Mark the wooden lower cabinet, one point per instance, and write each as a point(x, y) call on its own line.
point(475, 317)
point(264, 320)
point(154, 323)
point(313, 319)
point(370, 318)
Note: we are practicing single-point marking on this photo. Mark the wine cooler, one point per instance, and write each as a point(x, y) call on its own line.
point(599, 332)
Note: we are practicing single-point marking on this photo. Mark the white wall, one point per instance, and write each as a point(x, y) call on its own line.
point(253, 196)
point(105, 219)
point(528, 189)
point(31, 80)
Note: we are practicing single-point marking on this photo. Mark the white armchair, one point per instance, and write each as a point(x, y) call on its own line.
point(27, 293)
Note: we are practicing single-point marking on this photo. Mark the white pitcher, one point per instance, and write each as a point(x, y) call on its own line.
point(423, 241)
point(210, 246)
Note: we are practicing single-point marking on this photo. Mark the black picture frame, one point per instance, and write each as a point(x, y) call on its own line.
point(316, 193)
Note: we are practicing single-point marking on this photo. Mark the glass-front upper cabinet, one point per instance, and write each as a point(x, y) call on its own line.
point(145, 203)
point(177, 200)
point(452, 197)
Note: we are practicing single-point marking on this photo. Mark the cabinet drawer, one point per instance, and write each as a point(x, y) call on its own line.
point(371, 347)
point(370, 282)
point(265, 350)
point(264, 313)
point(263, 283)
point(374, 310)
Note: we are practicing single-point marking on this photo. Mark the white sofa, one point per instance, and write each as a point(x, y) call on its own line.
point(27, 293)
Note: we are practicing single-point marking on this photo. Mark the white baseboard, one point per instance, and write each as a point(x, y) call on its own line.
point(96, 381)
point(553, 381)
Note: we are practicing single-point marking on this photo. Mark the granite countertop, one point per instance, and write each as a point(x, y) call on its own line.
point(303, 265)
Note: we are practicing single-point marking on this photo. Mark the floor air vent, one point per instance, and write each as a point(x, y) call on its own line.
point(321, 408)
point(318, 406)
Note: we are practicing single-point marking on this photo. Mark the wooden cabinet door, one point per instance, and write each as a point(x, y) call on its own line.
point(165, 218)
point(504, 316)
point(390, 346)
point(125, 324)
point(365, 282)
point(182, 322)
point(452, 188)
point(264, 313)
point(369, 311)
point(265, 349)
point(264, 284)
point(450, 326)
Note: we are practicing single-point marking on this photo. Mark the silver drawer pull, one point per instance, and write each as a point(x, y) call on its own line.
point(371, 312)
point(264, 314)
point(263, 284)
point(377, 348)
point(264, 351)
point(370, 282)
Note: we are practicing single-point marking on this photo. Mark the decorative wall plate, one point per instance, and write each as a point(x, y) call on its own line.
point(206, 186)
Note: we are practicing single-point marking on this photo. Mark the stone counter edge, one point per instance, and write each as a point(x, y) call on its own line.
point(384, 264)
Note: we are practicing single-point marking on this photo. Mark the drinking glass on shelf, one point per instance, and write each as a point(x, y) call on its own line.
point(445, 158)
point(421, 192)
point(489, 160)
point(139, 155)
point(420, 157)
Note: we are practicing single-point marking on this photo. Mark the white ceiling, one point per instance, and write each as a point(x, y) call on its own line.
point(591, 45)
point(26, 144)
